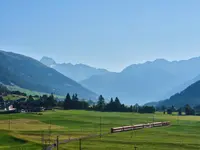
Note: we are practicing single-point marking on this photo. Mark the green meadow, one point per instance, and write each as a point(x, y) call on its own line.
point(27, 131)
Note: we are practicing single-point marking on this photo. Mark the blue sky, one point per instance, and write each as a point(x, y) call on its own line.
point(109, 34)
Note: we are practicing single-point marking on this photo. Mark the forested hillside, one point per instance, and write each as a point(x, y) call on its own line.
point(29, 73)
point(190, 95)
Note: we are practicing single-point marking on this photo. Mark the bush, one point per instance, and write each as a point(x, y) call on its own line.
point(39, 113)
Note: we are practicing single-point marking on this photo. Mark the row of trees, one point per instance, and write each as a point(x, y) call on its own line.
point(187, 109)
point(73, 102)
point(117, 106)
point(114, 105)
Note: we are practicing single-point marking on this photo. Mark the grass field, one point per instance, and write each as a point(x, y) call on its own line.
point(30, 92)
point(13, 97)
point(23, 131)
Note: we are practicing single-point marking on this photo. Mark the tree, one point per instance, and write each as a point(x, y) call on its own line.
point(100, 103)
point(67, 101)
point(164, 112)
point(3, 89)
point(169, 111)
point(1, 103)
point(163, 108)
point(117, 104)
point(147, 109)
point(51, 101)
point(44, 101)
point(173, 109)
point(136, 107)
point(30, 98)
point(75, 97)
point(109, 106)
point(189, 110)
point(197, 109)
point(179, 111)
point(48, 101)
point(1, 99)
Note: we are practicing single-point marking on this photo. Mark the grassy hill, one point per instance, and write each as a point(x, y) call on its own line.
point(25, 131)
point(28, 73)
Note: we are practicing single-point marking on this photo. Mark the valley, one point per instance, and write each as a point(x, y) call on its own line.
point(99, 75)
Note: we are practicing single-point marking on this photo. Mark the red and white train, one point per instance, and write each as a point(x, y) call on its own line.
point(139, 126)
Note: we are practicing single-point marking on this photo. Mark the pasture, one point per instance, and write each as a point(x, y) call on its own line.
point(26, 131)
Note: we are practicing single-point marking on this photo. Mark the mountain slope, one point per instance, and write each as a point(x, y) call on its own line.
point(150, 81)
point(183, 86)
point(76, 72)
point(191, 96)
point(28, 73)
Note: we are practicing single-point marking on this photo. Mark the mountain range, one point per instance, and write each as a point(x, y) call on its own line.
point(77, 72)
point(28, 73)
point(149, 81)
point(137, 83)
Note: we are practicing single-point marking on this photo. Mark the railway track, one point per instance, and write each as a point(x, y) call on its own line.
point(50, 147)
point(113, 130)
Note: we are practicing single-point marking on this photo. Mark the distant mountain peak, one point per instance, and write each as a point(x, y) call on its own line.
point(48, 61)
point(77, 72)
point(161, 60)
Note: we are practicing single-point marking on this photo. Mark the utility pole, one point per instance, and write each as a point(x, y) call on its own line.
point(68, 134)
point(177, 118)
point(57, 142)
point(100, 127)
point(153, 118)
point(42, 139)
point(45, 144)
point(49, 132)
point(9, 121)
point(132, 123)
point(80, 148)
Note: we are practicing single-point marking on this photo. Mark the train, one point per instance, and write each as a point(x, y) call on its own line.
point(139, 126)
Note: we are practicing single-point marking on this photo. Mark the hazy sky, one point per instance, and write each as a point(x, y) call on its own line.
point(109, 34)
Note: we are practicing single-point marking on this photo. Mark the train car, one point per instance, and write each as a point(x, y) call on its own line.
point(117, 129)
point(166, 123)
point(127, 128)
point(138, 126)
point(157, 124)
point(148, 125)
